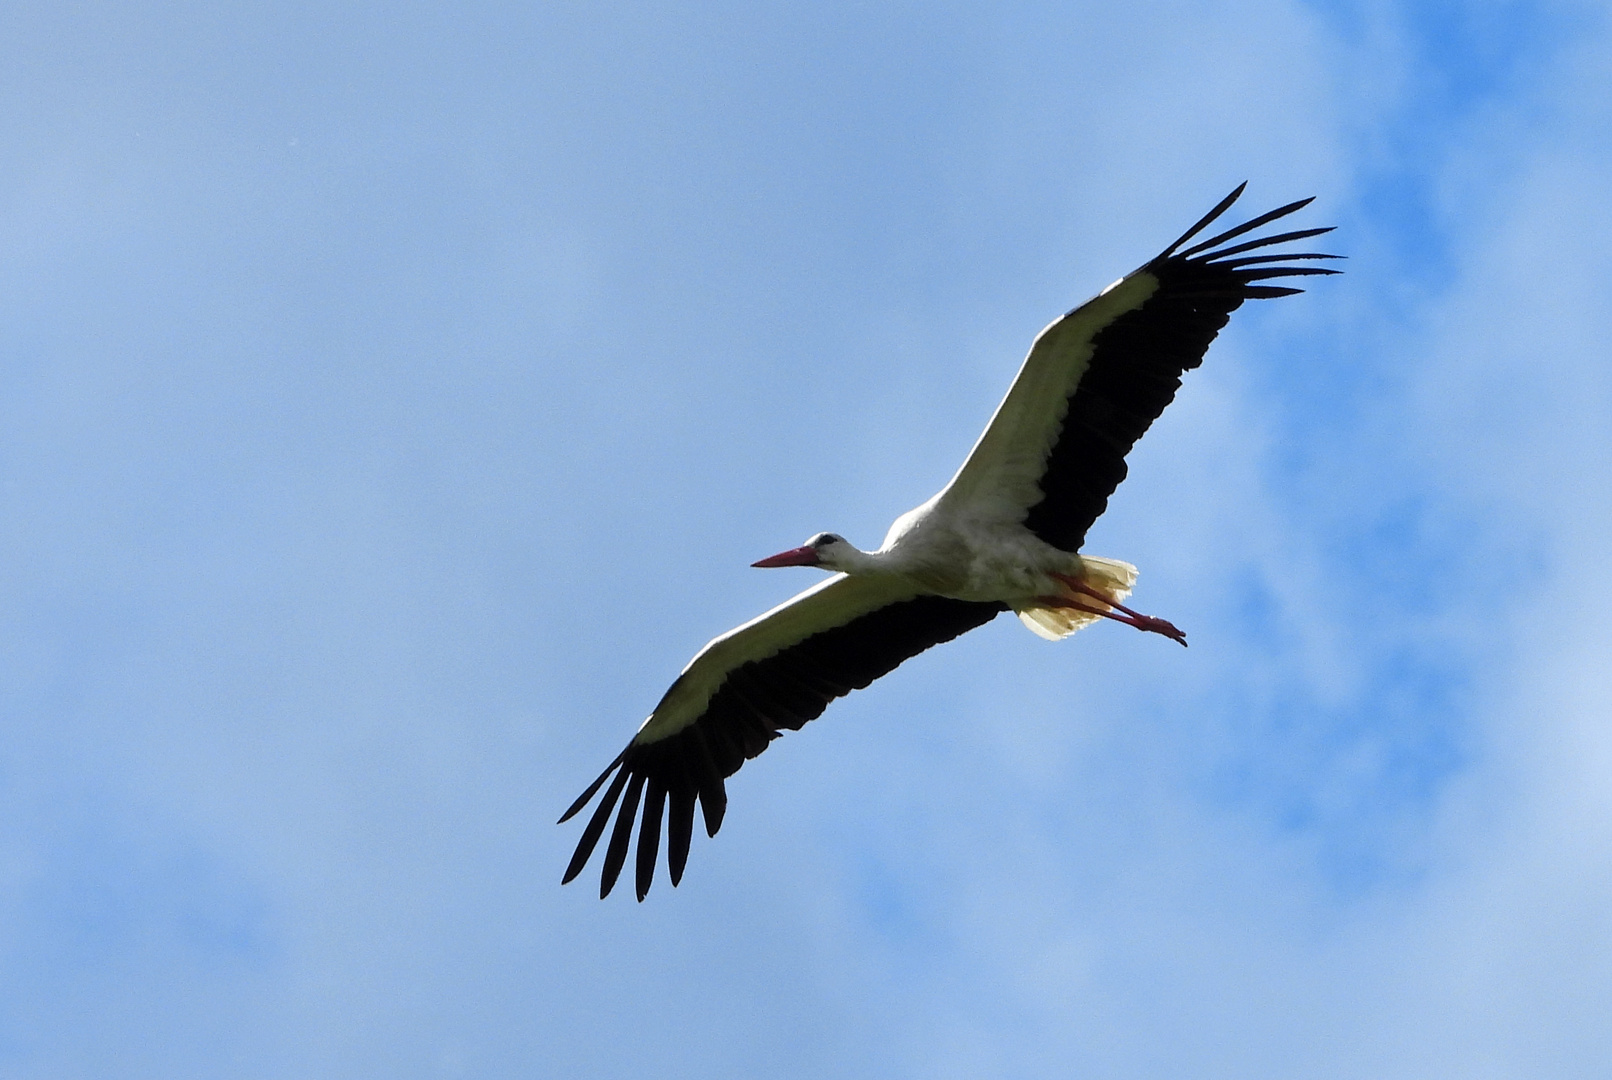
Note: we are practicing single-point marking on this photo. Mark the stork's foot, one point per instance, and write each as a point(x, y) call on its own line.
point(1155, 625)
point(1152, 624)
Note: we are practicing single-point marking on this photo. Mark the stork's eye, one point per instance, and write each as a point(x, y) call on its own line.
point(824, 539)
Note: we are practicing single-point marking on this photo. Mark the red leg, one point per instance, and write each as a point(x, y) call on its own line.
point(1150, 623)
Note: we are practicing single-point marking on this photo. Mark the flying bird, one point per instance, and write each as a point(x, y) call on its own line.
point(1004, 535)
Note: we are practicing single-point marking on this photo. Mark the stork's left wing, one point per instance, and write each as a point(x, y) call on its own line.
point(776, 671)
point(1098, 377)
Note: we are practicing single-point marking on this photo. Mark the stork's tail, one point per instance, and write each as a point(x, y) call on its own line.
point(1112, 578)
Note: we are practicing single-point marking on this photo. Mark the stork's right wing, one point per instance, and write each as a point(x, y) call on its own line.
point(776, 671)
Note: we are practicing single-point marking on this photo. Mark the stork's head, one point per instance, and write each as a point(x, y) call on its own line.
point(825, 550)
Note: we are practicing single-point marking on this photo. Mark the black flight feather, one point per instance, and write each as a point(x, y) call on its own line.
point(649, 834)
point(596, 824)
point(620, 836)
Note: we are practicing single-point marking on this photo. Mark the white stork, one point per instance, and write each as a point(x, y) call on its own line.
point(1005, 534)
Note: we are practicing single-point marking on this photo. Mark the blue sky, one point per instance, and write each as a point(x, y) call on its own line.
point(391, 401)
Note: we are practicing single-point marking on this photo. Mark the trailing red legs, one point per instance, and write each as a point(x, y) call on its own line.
point(1150, 623)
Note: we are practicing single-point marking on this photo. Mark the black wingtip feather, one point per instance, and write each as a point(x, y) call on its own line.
point(1247, 226)
point(1280, 256)
point(620, 836)
point(1220, 208)
point(582, 800)
point(1213, 258)
point(1284, 271)
point(679, 831)
point(596, 824)
point(712, 806)
point(649, 836)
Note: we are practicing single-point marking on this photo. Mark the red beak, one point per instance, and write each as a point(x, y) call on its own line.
point(801, 556)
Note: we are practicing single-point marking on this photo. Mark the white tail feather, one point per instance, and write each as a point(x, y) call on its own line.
point(1112, 578)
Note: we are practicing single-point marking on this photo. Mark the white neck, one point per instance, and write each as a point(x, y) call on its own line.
point(850, 560)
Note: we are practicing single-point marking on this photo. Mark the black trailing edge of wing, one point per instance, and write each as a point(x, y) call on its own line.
point(1139, 358)
point(752, 706)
